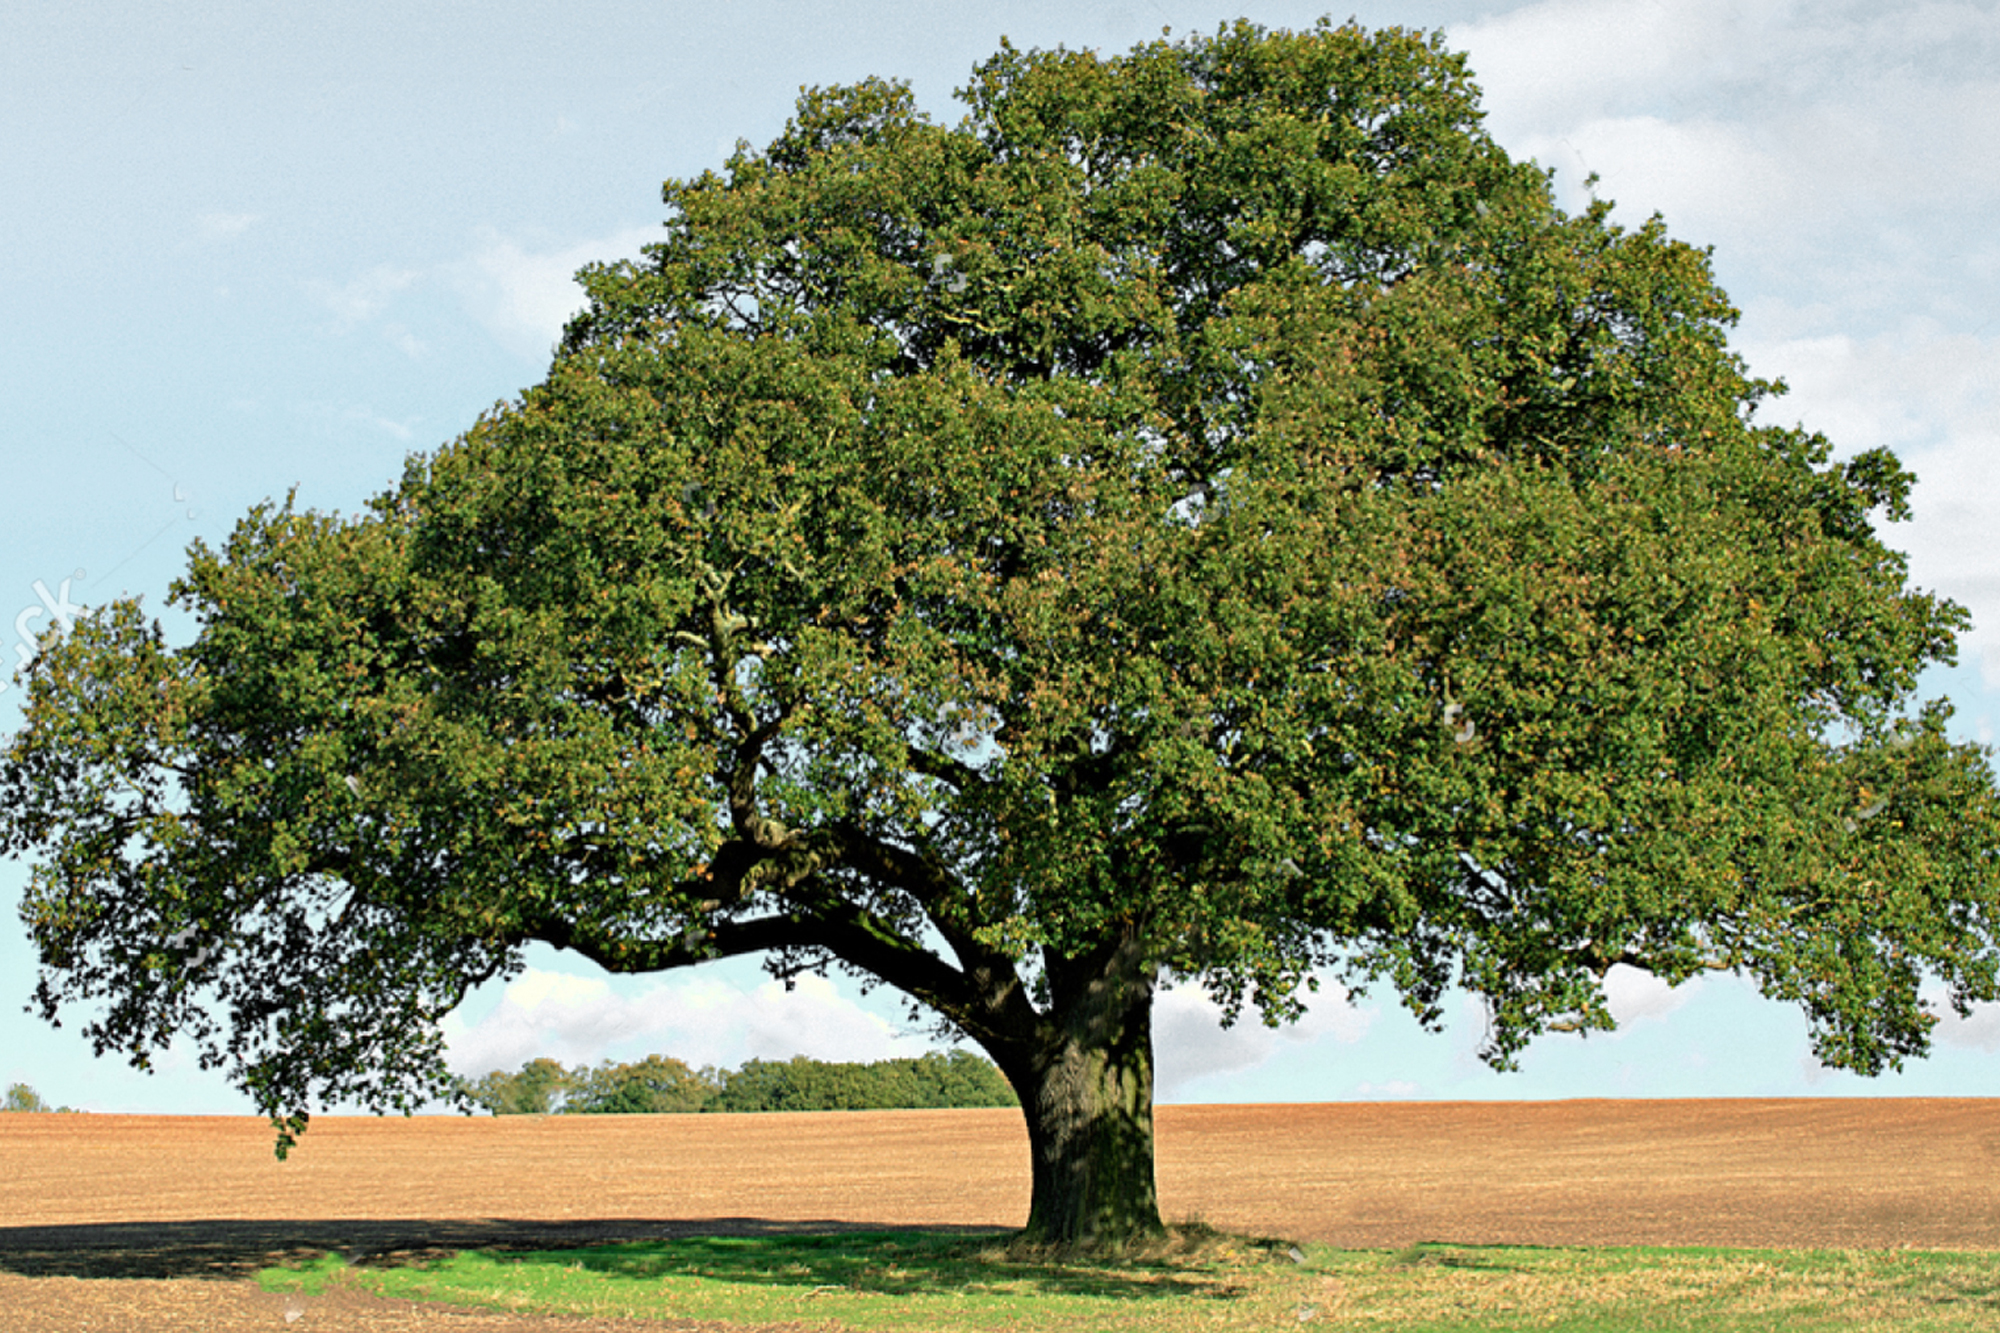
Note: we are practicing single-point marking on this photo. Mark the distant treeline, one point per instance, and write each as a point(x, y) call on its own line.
point(660, 1084)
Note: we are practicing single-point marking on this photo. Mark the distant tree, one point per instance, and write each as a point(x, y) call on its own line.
point(1206, 516)
point(536, 1089)
point(655, 1085)
point(960, 1079)
point(773, 1085)
point(21, 1097)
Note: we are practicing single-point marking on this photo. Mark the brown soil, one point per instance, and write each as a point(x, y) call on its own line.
point(136, 1222)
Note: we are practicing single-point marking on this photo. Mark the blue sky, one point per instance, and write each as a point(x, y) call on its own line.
point(252, 248)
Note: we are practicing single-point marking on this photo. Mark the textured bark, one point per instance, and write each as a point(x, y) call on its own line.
point(1087, 1093)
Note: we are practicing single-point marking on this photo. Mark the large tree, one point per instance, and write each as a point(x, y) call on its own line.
point(1205, 518)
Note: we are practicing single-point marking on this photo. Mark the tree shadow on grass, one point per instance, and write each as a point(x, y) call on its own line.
point(1444, 1254)
point(903, 1263)
point(238, 1248)
point(809, 1255)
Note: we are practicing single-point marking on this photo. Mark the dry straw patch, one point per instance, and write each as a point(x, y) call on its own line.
point(1447, 1287)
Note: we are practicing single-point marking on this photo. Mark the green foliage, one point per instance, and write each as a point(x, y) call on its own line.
point(21, 1097)
point(653, 1085)
point(537, 1088)
point(1205, 515)
point(660, 1084)
point(959, 1079)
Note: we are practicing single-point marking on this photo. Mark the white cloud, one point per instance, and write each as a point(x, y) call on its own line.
point(1951, 542)
point(1693, 172)
point(1934, 397)
point(1190, 1043)
point(524, 297)
point(706, 1019)
point(701, 1020)
point(1878, 67)
point(1840, 147)
point(1979, 1031)
point(1633, 994)
point(1826, 194)
point(1561, 60)
point(535, 988)
point(521, 296)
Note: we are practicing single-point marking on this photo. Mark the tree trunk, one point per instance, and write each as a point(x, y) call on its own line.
point(1086, 1088)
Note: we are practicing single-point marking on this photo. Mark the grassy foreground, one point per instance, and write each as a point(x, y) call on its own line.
point(858, 1281)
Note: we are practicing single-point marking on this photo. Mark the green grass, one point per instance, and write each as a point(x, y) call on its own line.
point(912, 1280)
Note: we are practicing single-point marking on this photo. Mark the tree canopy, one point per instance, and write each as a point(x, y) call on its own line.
point(1206, 517)
point(536, 1088)
point(655, 1085)
point(21, 1097)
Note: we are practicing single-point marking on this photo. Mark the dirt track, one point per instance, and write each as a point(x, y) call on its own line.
point(115, 1222)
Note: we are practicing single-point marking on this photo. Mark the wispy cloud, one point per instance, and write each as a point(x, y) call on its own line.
point(524, 296)
point(362, 298)
point(1394, 1089)
point(405, 342)
point(369, 417)
point(340, 420)
point(223, 226)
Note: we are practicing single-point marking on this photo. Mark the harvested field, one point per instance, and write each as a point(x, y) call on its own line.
point(115, 1222)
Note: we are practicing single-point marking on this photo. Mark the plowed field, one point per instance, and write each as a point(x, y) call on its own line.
point(134, 1222)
